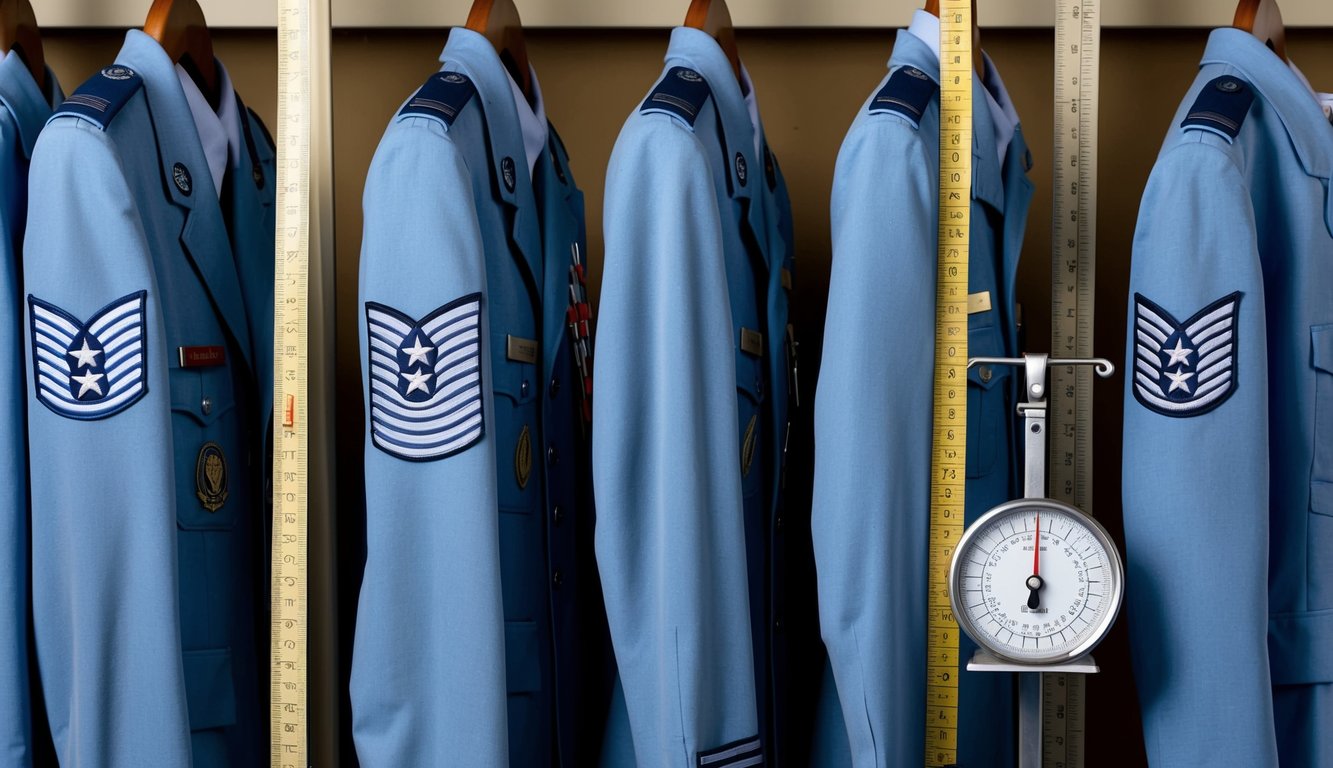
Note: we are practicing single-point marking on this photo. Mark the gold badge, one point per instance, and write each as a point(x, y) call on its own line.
point(523, 458)
point(747, 446)
point(210, 477)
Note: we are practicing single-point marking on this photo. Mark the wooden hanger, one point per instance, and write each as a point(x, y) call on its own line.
point(180, 28)
point(19, 34)
point(1262, 19)
point(978, 61)
point(498, 21)
point(712, 17)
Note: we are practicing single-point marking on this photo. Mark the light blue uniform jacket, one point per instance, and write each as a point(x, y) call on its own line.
point(148, 497)
point(872, 457)
point(477, 643)
point(1228, 453)
point(26, 109)
point(693, 377)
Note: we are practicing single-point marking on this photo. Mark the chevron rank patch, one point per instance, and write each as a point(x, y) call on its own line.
point(1185, 368)
point(89, 370)
point(425, 379)
point(745, 753)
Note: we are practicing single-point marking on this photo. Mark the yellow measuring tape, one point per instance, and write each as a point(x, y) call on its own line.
point(949, 441)
point(288, 639)
point(1073, 290)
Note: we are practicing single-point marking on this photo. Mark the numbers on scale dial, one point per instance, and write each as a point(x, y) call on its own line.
point(1000, 587)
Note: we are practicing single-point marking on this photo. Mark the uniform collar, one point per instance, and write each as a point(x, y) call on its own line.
point(987, 184)
point(698, 50)
point(31, 108)
point(473, 55)
point(1282, 89)
point(181, 159)
point(219, 130)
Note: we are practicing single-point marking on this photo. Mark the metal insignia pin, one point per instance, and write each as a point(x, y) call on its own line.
point(1228, 86)
point(210, 477)
point(523, 458)
point(748, 445)
point(118, 73)
point(453, 77)
point(914, 72)
point(689, 76)
point(740, 168)
point(181, 176)
point(507, 171)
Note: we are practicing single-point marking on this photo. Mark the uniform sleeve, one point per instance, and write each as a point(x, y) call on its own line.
point(428, 669)
point(103, 486)
point(666, 460)
point(1195, 465)
point(872, 454)
point(15, 715)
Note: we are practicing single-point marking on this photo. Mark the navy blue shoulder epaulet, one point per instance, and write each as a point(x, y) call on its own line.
point(102, 96)
point(1221, 107)
point(908, 92)
point(442, 97)
point(681, 92)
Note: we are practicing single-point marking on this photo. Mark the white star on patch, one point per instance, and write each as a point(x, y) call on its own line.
point(87, 356)
point(1179, 355)
point(417, 381)
point(1179, 380)
point(417, 353)
point(88, 381)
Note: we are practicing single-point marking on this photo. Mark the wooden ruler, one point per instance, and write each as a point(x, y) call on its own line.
point(1073, 292)
point(289, 637)
point(949, 438)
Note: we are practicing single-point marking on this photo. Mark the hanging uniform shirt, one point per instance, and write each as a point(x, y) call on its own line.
point(26, 108)
point(871, 514)
point(478, 636)
point(1228, 452)
point(693, 382)
point(149, 343)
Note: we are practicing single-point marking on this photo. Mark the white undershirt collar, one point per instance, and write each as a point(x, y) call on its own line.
point(531, 118)
point(220, 131)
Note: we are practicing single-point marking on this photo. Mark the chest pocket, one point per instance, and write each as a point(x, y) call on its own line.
point(988, 417)
point(211, 454)
point(1321, 472)
point(750, 395)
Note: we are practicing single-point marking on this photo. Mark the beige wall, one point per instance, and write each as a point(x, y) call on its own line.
point(809, 85)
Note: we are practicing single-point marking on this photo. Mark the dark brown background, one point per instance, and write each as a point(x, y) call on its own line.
point(809, 86)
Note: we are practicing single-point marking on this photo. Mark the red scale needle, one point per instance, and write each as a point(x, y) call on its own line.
point(1036, 549)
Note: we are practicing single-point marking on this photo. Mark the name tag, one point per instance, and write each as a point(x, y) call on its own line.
point(978, 302)
point(752, 342)
point(521, 350)
point(786, 278)
point(201, 357)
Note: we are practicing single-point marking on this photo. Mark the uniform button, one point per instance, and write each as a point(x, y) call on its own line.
point(558, 515)
point(555, 386)
point(551, 457)
point(523, 389)
point(777, 625)
point(779, 522)
point(985, 373)
point(206, 406)
point(557, 578)
point(759, 387)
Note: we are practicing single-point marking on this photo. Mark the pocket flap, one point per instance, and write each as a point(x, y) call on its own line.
point(205, 394)
point(1321, 347)
point(209, 693)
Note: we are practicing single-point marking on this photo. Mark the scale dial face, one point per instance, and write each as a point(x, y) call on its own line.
point(1036, 605)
